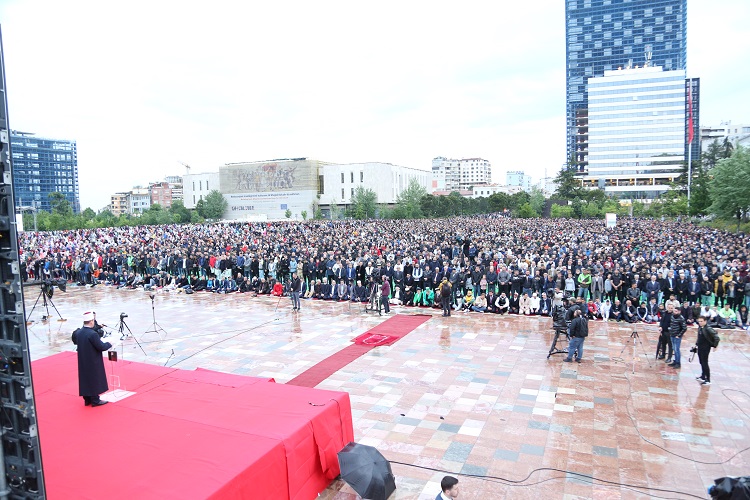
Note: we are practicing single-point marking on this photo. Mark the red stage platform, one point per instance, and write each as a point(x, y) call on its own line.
point(187, 434)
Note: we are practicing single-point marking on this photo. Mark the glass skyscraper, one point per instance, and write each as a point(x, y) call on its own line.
point(42, 166)
point(606, 35)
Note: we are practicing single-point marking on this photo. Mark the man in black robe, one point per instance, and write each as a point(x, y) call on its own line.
point(92, 379)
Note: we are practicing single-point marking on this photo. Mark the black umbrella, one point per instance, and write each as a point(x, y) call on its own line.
point(366, 471)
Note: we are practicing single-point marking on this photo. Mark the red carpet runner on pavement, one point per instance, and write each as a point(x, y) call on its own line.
point(385, 333)
point(187, 434)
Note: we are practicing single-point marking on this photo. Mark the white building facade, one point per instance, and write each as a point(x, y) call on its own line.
point(139, 201)
point(518, 178)
point(340, 181)
point(636, 131)
point(195, 187)
point(735, 133)
point(454, 175)
point(490, 189)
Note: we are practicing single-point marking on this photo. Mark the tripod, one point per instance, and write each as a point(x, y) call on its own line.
point(121, 327)
point(636, 340)
point(553, 348)
point(155, 327)
point(46, 302)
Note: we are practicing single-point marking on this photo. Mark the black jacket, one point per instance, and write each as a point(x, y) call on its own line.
point(678, 326)
point(580, 327)
point(707, 337)
point(92, 379)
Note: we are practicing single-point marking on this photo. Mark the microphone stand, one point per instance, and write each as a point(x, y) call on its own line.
point(155, 327)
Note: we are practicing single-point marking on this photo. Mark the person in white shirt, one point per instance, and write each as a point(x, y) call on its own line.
point(448, 488)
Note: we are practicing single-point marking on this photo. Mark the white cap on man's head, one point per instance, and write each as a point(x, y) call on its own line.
point(88, 316)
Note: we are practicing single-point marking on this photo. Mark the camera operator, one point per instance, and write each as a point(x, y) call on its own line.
point(579, 330)
point(664, 346)
point(707, 338)
point(677, 328)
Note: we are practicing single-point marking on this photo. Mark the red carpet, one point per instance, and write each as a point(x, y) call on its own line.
point(187, 434)
point(386, 333)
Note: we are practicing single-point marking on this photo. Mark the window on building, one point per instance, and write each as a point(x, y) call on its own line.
point(207, 186)
point(361, 176)
point(200, 185)
point(352, 192)
point(342, 192)
point(342, 177)
point(352, 176)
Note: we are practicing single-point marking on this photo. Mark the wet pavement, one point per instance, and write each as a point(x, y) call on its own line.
point(473, 394)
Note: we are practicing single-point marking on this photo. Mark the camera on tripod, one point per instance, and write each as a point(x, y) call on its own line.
point(48, 286)
point(123, 316)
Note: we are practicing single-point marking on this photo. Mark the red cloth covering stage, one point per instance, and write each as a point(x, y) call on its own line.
point(187, 434)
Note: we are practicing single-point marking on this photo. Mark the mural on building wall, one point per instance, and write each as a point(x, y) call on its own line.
point(286, 175)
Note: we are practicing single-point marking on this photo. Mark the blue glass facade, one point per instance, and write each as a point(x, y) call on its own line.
point(610, 34)
point(42, 166)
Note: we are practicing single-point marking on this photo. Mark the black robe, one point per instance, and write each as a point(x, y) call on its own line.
point(92, 379)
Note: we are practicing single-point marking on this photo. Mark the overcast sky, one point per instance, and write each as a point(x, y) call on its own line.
point(142, 86)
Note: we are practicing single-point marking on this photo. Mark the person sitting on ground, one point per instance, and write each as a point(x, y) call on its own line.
point(514, 304)
point(629, 312)
point(502, 304)
point(727, 317)
point(652, 311)
point(606, 310)
point(641, 311)
point(524, 304)
point(616, 312)
point(545, 305)
point(467, 301)
point(534, 303)
point(480, 304)
point(428, 297)
point(278, 289)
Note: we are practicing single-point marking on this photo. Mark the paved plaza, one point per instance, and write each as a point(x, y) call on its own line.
point(473, 394)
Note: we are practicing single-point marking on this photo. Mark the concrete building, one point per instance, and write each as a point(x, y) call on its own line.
point(175, 185)
point(161, 193)
point(732, 132)
point(388, 181)
point(139, 200)
point(42, 166)
point(518, 178)
point(455, 175)
point(196, 186)
point(490, 189)
point(636, 130)
point(119, 204)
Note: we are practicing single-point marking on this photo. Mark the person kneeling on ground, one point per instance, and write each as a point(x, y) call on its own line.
point(480, 305)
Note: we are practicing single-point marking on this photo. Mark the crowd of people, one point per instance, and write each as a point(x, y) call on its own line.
point(491, 263)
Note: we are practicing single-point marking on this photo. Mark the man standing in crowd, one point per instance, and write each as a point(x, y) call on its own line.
point(446, 293)
point(385, 294)
point(579, 330)
point(295, 289)
point(677, 328)
point(664, 347)
point(92, 379)
point(707, 338)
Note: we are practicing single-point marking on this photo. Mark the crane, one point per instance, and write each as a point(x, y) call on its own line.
point(187, 167)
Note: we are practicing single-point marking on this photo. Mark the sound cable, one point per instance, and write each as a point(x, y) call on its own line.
point(584, 477)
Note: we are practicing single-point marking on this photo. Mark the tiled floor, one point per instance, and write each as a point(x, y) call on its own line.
point(472, 394)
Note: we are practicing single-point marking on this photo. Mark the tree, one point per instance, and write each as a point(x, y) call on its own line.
point(60, 204)
point(88, 214)
point(408, 203)
point(568, 187)
point(497, 202)
point(525, 211)
point(364, 203)
point(179, 212)
point(536, 199)
point(728, 188)
point(304, 214)
point(214, 205)
point(518, 199)
point(288, 214)
point(558, 211)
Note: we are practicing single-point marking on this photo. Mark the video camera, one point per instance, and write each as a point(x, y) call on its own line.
point(122, 316)
point(48, 285)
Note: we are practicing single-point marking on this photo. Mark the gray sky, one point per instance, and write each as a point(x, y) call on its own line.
point(143, 86)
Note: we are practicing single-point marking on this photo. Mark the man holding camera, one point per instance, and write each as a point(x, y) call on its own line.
point(707, 338)
point(92, 379)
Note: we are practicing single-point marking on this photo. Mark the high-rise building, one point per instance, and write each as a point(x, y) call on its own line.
point(42, 166)
point(604, 35)
point(518, 178)
point(454, 175)
point(637, 128)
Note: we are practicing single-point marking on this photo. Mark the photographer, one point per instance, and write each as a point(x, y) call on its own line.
point(579, 330)
point(707, 338)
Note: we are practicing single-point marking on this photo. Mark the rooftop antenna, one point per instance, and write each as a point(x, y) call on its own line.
point(187, 167)
point(648, 56)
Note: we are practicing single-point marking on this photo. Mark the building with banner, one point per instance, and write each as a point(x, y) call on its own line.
point(270, 188)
